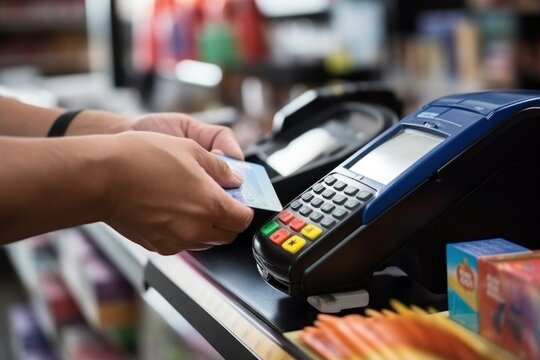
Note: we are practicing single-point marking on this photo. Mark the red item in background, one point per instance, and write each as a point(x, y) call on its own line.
point(60, 304)
point(171, 31)
point(167, 34)
point(247, 24)
point(147, 34)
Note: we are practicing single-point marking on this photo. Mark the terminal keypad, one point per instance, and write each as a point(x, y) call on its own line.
point(307, 218)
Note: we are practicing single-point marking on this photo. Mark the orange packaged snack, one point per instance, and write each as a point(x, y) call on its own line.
point(406, 333)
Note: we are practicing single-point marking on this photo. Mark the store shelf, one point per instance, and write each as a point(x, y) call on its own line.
point(130, 258)
point(168, 335)
point(219, 317)
point(17, 17)
point(49, 35)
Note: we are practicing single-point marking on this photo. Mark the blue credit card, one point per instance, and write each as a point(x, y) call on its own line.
point(256, 191)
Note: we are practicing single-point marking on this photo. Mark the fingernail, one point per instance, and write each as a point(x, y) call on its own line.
point(217, 151)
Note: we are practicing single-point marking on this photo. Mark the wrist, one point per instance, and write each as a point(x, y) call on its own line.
point(91, 174)
point(99, 168)
point(115, 162)
point(93, 122)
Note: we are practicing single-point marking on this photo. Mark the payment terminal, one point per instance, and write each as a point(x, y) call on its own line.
point(460, 167)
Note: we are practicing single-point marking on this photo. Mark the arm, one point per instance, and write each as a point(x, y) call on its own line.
point(50, 184)
point(21, 119)
point(168, 200)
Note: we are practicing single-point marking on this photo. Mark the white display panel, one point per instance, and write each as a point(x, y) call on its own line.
point(302, 150)
point(387, 161)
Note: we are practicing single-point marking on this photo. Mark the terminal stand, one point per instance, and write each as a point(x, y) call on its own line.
point(334, 303)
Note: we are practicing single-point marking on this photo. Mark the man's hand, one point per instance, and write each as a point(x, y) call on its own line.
point(168, 193)
point(210, 137)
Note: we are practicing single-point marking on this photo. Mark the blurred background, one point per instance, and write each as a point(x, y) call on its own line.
point(247, 58)
point(231, 62)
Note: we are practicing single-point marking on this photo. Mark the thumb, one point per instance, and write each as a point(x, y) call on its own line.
point(220, 171)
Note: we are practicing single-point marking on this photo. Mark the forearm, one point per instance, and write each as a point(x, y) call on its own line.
point(20, 119)
point(50, 184)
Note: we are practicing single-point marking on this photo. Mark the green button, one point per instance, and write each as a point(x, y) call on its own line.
point(269, 228)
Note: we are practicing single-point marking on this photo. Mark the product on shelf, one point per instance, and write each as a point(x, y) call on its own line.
point(106, 298)
point(82, 343)
point(52, 303)
point(58, 301)
point(405, 333)
point(27, 338)
point(462, 270)
point(509, 298)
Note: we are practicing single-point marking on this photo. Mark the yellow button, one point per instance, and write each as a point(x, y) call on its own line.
point(294, 244)
point(311, 232)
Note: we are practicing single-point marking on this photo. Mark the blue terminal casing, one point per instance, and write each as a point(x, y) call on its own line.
point(423, 188)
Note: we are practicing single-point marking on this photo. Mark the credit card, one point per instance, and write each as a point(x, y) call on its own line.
point(256, 191)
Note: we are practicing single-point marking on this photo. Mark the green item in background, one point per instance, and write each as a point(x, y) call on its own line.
point(124, 337)
point(217, 45)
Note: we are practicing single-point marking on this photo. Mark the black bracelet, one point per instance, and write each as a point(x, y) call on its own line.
point(60, 125)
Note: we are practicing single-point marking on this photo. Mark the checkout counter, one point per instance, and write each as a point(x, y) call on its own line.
point(221, 291)
point(221, 294)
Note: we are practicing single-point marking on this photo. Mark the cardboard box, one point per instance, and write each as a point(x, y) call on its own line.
point(509, 298)
point(462, 275)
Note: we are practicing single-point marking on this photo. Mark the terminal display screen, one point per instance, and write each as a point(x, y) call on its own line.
point(388, 160)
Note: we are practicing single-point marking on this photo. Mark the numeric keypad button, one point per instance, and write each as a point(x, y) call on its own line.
point(364, 195)
point(305, 210)
point(328, 222)
point(339, 199)
point(316, 202)
point(351, 204)
point(329, 180)
point(339, 214)
point(295, 205)
point(340, 185)
point(307, 197)
point(328, 194)
point(328, 208)
point(318, 188)
point(350, 190)
point(316, 216)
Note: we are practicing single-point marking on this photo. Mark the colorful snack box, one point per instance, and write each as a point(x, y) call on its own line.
point(462, 275)
point(509, 302)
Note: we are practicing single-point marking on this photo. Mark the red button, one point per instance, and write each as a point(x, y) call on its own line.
point(280, 236)
point(297, 224)
point(285, 217)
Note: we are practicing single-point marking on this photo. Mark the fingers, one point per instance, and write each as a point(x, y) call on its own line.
point(218, 169)
point(208, 136)
point(175, 244)
point(214, 137)
point(234, 216)
point(225, 141)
